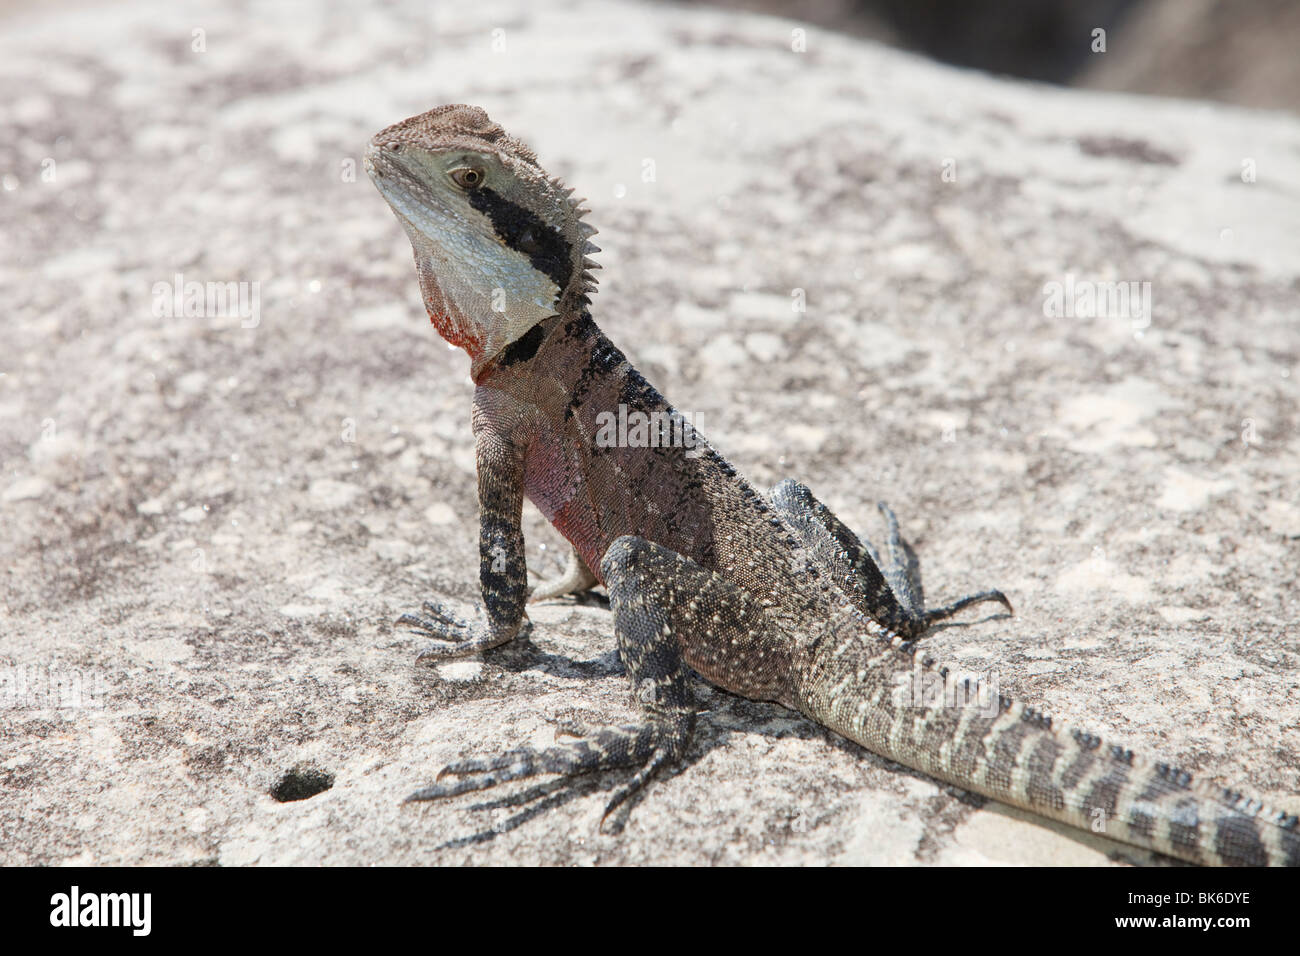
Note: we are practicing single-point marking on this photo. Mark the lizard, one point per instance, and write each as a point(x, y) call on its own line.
point(769, 596)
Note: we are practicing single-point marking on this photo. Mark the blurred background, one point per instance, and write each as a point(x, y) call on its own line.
point(1245, 52)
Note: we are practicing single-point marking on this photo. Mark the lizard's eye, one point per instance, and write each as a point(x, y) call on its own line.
point(467, 177)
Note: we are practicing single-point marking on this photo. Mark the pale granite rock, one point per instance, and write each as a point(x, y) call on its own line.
point(202, 570)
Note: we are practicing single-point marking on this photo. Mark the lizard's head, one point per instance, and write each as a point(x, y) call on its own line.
point(499, 245)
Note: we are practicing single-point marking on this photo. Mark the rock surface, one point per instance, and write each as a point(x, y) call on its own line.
point(210, 521)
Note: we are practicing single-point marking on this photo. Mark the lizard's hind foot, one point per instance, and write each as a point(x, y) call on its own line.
point(903, 572)
point(646, 746)
point(668, 610)
point(948, 610)
point(888, 588)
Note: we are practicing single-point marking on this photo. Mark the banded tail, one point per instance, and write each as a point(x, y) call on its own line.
point(897, 703)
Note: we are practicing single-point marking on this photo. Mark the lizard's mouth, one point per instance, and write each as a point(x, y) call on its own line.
point(368, 161)
point(385, 169)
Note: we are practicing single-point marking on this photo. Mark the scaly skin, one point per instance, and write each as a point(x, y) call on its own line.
point(768, 596)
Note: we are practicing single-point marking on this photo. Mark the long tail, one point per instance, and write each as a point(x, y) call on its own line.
point(896, 702)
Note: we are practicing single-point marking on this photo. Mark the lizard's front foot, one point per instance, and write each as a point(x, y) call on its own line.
point(576, 578)
point(646, 746)
point(451, 636)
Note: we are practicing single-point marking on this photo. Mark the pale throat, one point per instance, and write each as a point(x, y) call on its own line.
point(484, 323)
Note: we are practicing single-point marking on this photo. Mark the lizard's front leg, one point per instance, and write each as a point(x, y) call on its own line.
point(667, 610)
point(503, 575)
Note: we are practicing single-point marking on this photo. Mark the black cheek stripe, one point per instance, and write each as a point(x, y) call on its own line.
point(526, 233)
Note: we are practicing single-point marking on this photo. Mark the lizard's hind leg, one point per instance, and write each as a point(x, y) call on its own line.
point(890, 591)
point(904, 571)
point(664, 606)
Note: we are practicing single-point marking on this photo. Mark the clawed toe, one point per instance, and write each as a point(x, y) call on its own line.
point(417, 623)
point(441, 651)
point(450, 637)
point(483, 764)
point(646, 747)
point(476, 774)
point(948, 610)
point(439, 621)
point(661, 756)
